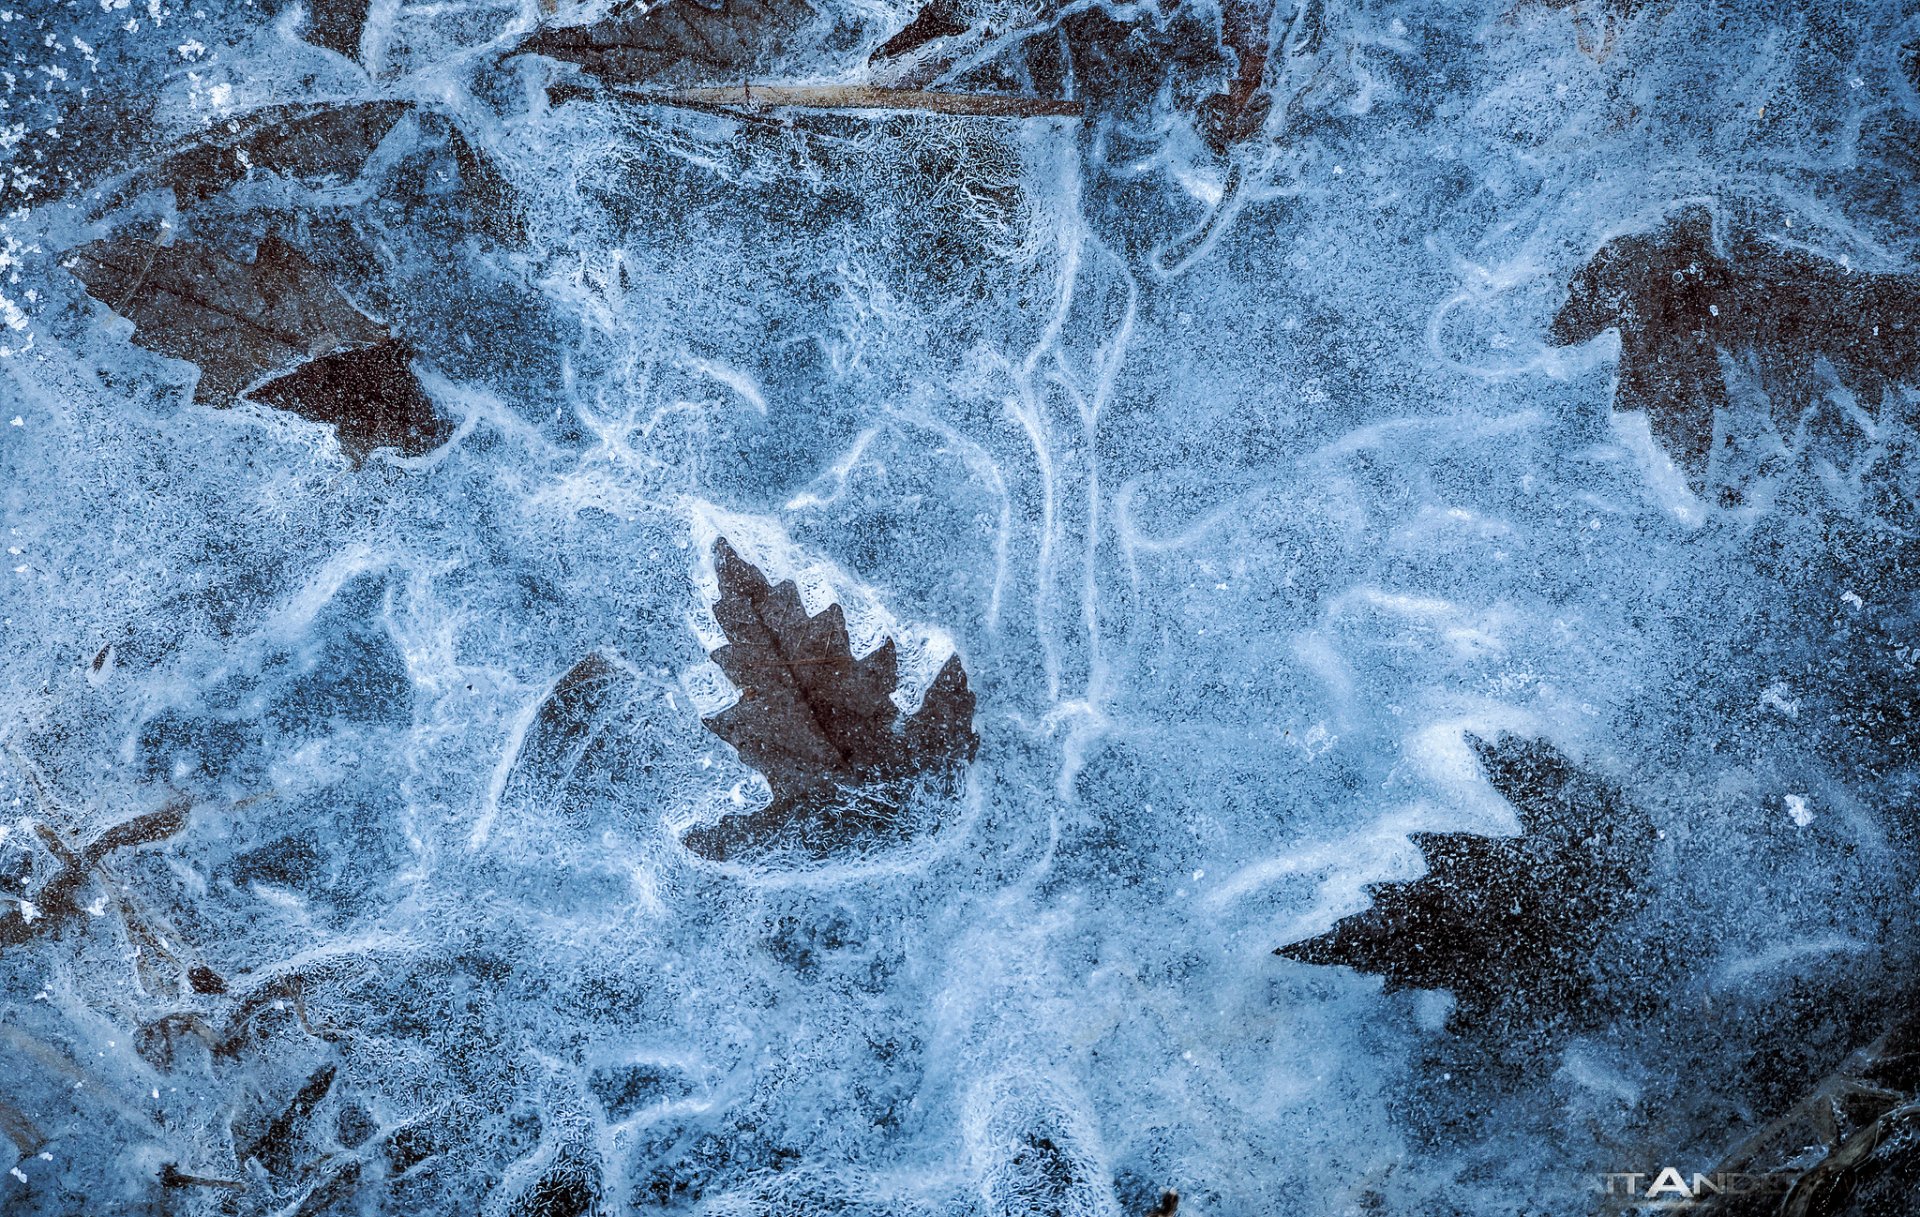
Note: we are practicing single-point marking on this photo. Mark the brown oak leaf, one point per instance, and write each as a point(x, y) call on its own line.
point(842, 760)
point(1509, 924)
point(242, 322)
point(1681, 307)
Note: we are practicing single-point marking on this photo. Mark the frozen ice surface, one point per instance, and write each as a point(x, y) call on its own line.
point(342, 795)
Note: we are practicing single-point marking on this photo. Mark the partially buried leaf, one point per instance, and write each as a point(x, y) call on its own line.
point(369, 394)
point(822, 725)
point(241, 322)
point(277, 1145)
point(1509, 924)
point(938, 19)
point(305, 141)
point(315, 143)
point(496, 206)
point(569, 723)
point(237, 320)
point(337, 24)
point(1849, 1148)
point(1680, 305)
point(683, 42)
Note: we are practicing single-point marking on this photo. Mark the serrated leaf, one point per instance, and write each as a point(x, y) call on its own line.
point(1508, 924)
point(820, 724)
point(1680, 305)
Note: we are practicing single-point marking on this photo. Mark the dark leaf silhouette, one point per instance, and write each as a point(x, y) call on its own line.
point(277, 1145)
point(683, 42)
point(320, 142)
point(337, 24)
point(570, 727)
point(236, 320)
point(1681, 306)
point(369, 394)
point(243, 321)
point(936, 20)
point(1509, 924)
point(306, 141)
point(821, 724)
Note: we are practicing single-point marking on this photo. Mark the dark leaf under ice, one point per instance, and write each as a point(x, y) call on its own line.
point(277, 1146)
point(58, 899)
point(936, 20)
point(370, 396)
point(320, 143)
point(1682, 307)
point(1509, 924)
point(570, 725)
point(682, 42)
point(243, 322)
point(305, 141)
point(822, 725)
point(336, 24)
point(238, 321)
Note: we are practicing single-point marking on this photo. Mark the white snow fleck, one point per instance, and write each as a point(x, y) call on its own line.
point(1797, 810)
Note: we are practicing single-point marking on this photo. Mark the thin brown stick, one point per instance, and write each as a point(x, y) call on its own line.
point(860, 97)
